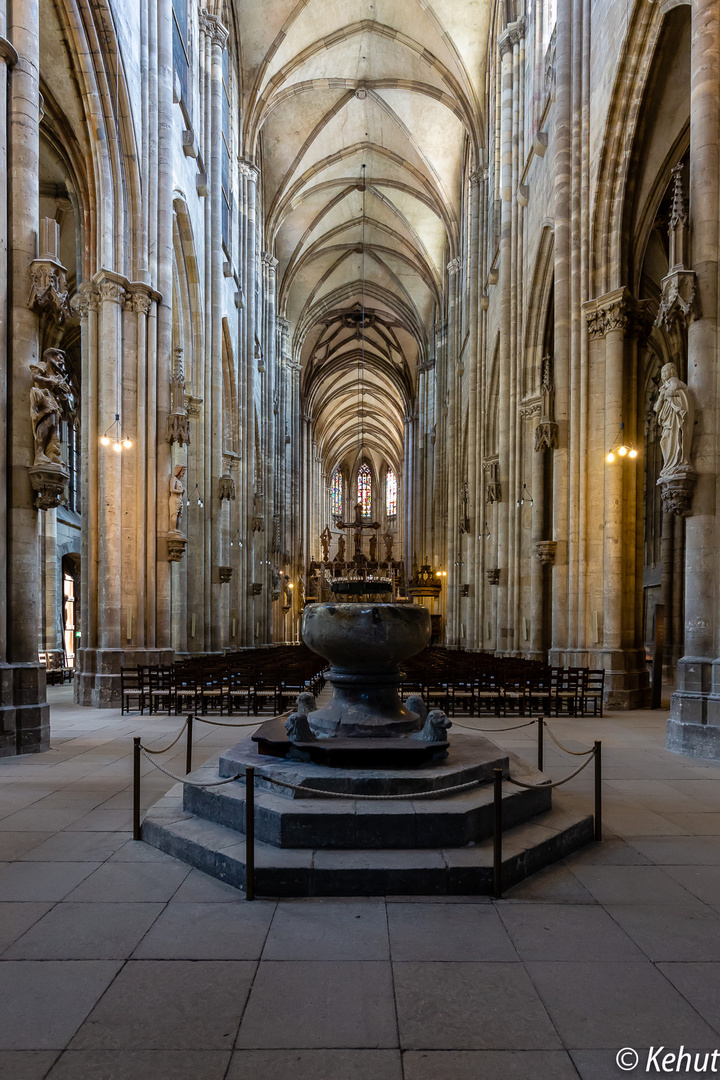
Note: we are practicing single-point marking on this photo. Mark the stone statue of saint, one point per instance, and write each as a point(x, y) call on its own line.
point(676, 415)
point(325, 538)
point(177, 497)
point(340, 557)
point(373, 547)
point(50, 402)
point(388, 538)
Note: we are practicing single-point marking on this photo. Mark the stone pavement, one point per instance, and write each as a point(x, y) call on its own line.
point(120, 963)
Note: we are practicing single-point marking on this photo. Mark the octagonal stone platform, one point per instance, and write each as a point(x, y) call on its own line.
point(309, 844)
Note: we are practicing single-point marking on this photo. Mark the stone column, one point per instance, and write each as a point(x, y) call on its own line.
point(24, 721)
point(694, 725)
point(613, 318)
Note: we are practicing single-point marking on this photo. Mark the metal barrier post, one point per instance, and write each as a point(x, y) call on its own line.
point(598, 790)
point(249, 833)
point(497, 836)
point(541, 748)
point(136, 788)
point(189, 745)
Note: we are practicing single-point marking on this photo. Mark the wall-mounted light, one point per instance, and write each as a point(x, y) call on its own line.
point(115, 436)
point(620, 448)
point(196, 495)
point(525, 496)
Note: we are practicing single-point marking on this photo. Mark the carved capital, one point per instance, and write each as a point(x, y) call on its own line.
point(48, 288)
point(111, 292)
point(227, 488)
point(85, 300)
point(270, 261)
point(178, 428)
point(614, 311)
point(213, 28)
point(678, 300)
point(546, 436)
point(176, 544)
point(193, 405)
point(677, 493)
point(545, 551)
point(49, 482)
point(257, 523)
point(248, 169)
point(139, 302)
point(224, 574)
point(493, 576)
point(511, 36)
point(454, 266)
point(529, 407)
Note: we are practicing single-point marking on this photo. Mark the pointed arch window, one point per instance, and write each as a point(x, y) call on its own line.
point(390, 493)
point(364, 489)
point(336, 494)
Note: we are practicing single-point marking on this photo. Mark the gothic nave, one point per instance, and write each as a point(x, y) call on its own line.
point(262, 264)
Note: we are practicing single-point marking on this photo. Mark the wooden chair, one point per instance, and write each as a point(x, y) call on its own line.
point(593, 688)
point(131, 690)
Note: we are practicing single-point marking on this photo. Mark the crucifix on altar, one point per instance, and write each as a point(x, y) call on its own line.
point(357, 526)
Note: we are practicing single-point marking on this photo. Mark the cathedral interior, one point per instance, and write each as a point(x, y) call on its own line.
point(418, 293)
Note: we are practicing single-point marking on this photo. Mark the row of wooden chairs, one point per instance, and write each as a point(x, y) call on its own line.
point(214, 687)
point(551, 691)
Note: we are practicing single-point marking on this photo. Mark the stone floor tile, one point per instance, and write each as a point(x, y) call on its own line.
point(320, 1004)
point(169, 1005)
point(75, 847)
point(564, 932)
point(37, 819)
point(320, 929)
point(14, 845)
point(699, 983)
point(601, 1064)
point(208, 932)
point(698, 824)
point(199, 888)
point(459, 932)
point(680, 851)
point(25, 1064)
point(611, 852)
point(141, 1065)
point(481, 1006)
point(137, 851)
point(315, 1065)
point(142, 882)
point(86, 932)
point(701, 881)
point(553, 885)
point(671, 933)
point(633, 885)
point(44, 1002)
point(612, 1005)
point(102, 820)
point(495, 1064)
point(42, 881)
point(16, 917)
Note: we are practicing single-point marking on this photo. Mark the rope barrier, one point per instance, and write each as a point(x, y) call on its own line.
point(249, 775)
point(166, 748)
point(557, 783)
point(575, 753)
point(495, 730)
point(184, 779)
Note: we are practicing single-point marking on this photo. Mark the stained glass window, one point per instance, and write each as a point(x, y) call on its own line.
point(390, 493)
point(336, 493)
point(364, 489)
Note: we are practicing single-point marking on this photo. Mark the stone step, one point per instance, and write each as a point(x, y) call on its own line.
point(331, 823)
point(220, 851)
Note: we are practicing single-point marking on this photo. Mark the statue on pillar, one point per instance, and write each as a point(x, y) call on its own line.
point(373, 547)
point(50, 403)
point(676, 415)
point(388, 538)
point(177, 500)
point(325, 538)
point(340, 557)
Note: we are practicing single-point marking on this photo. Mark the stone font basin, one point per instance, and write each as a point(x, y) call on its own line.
point(365, 644)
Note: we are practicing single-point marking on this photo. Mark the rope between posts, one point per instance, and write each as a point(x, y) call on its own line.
point(184, 779)
point(557, 783)
point(166, 748)
point(386, 798)
point(575, 753)
point(218, 723)
point(495, 730)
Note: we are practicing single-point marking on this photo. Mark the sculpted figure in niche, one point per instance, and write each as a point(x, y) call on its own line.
point(177, 501)
point(50, 402)
point(676, 415)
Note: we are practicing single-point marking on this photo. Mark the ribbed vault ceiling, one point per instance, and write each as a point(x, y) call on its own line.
point(394, 85)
